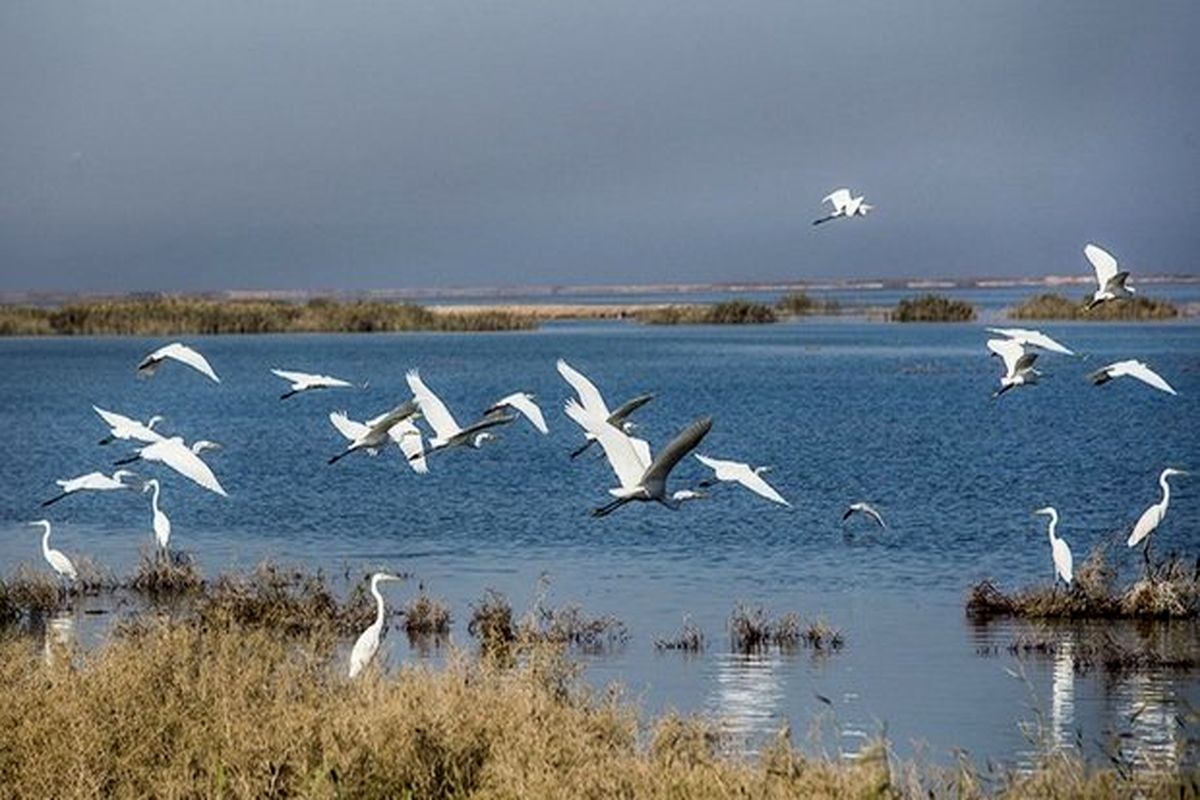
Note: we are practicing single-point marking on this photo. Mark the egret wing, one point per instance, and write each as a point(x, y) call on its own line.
point(186, 355)
point(432, 408)
point(525, 404)
point(757, 484)
point(180, 458)
point(1102, 262)
point(618, 448)
point(678, 447)
point(1008, 349)
point(1137, 369)
point(408, 436)
point(589, 395)
point(347, 427)
point(840, 198)
point(642, 448)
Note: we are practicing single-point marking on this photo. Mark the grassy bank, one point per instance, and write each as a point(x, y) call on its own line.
point(730, 312)
point(932, 308)
point(182, 315)
point(1055, 306)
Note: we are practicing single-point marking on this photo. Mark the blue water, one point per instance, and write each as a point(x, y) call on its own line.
point(898, 415)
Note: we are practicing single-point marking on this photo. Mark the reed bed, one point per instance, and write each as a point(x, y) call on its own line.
point(689, 640)
point(425, 616)
point(1056, 307)
point(730, 312)
point(802, 304)
point(753, 630)
point(932, 308)
point(499, 633)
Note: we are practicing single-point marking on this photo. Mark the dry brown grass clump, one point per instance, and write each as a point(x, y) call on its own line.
point(492, 623)
point(32, 591)
point(289, 601)
point(752, 630)
point(730, 312)
point(425, 616)
point(688, 640)
point(932, 308)
point(162, 576)
point(1055, 306)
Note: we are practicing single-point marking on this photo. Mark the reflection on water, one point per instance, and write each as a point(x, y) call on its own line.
point(1147, 705)
point(1062, 696)
point(58, 636)
point(747, 690)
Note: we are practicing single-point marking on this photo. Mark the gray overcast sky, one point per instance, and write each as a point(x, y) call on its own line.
point(204, 145)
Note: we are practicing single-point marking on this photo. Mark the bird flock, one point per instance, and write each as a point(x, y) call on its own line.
point(641, 476)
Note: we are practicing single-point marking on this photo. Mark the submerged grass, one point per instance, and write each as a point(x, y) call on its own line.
point(689, 640)
point(1055, 306)
point(424, 616)
point(166, 576)
point(802, 304)
point(753, 630)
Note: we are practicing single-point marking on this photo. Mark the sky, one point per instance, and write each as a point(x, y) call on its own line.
point(186, 146)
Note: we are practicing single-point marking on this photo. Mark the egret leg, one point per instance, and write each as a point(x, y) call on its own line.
point(580, 451)
point(123, 461)
point(605, 510)
point(1146, 556)
point(108, 440)
point(54, 499)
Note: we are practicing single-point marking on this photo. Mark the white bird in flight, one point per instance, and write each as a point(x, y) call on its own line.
point(304, 382)
point(91, 482)
point(1032, 338)
point(737, 472)
point(368, 641)
point(844, 205)
point(1152, 517)
point(641, 478)
point(593, 402)
point(181, 458)
point(1058, 548)
point(1131, 369)
point(867, 510)
point(126, 429)
point(1110, 281)
point(57, 560)
point(162, 524)
point(1018, 364)
point(179, 352)
point(375, 433)
point(525, 403)
point(447, 432)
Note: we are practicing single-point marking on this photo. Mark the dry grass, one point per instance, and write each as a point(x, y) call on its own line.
point(752, 630)
point(932, 308)
point(425, 617)
point(1055, 306)
point(730, 312)
point(166, 576)
point(290, 601)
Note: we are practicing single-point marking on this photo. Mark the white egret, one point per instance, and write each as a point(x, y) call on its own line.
point(1110, 281)
point(162, 524)
point(592, 401)
point(404, 433)
point(122, 427)
point(178, 352)
point(525, 403)
point(1131, 369)
point(641, 479)
point(304, 382)
point(844, 205)
point(1058, 548)
point(867, 510)
point(91, 482)
point(181, 458)
point(447, 432)
point(372, 435)
point(368, 641)
point(1018, 364)
point(57, 560)
point(1032, 338)
point(1150, 519)
point(737, 472)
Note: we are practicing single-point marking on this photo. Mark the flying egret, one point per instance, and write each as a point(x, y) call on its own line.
point(867, 510)
point(55, 558)
point(162, 524)
point(368, 641)
point(525, 403)
point(641, 479)
point(404, 433)
point(1153, 516)
point(1058, 548)
point(1032, 338)
point(179, 352)
point(303, 382)
point(737, 472)
point(844, 205)
point(1110, 281)
point(91, 482)
point(1018, 364)
point(375, 433)
point(447, 432)
point(181, 458)
point(122, 427)
point(592, 401)
point(1131, 369)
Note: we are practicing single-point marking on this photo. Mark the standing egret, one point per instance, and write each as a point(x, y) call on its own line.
point(523, 402)
point(447, 432)
point(737, 472)
point(91, 482)
point(1153, 516)
point(867, 510)
point(55, 558)
point(1058, 548)
point(1018, 364)
point(181, 458)
point(304, 382)
point(1131, 369)
point(1110, 281)
point(368, 641)
point(178, 352)
point(844, 205)
point(1032, 338)
point(122, 427)
point(375, 433)
point(592, 401)
point(162, 524)
point(404, 433)
point(641, 479)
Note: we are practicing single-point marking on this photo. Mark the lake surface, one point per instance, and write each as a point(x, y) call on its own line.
point(844, 410)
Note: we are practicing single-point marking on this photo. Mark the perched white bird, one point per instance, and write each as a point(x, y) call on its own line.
point(737, 472)
point(372, 435)
point(641, 479)
point(55, 558)
point(1150, 519)
point(403, 432)
point(162, 524)
point(447, 432)
point(523, 402)
point(303, 382)
point(91, 482)
point(1058, 548)
point(1132, 369)
point(1110, 281)
point(1031, 338)
point(592, 401)
point(867, 510)
point(181, 458)
point(122, 427)
point(368, 641)
point(1018, 364)
point(844, 205)
point(179, 352)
